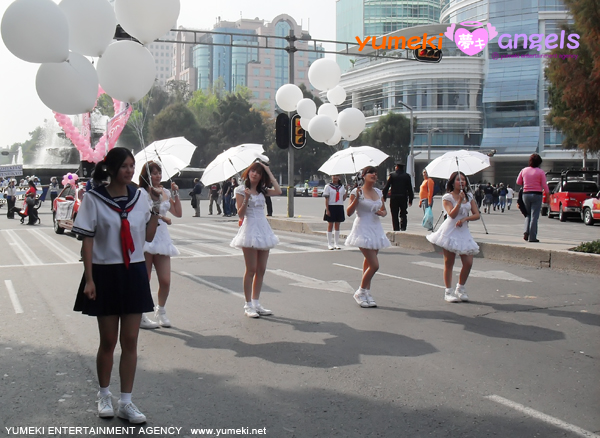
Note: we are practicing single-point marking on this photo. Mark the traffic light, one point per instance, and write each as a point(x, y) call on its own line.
point(428, 55)
point(282, 131)
point(298, 133)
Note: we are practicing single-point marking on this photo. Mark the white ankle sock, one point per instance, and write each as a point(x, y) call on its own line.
point(104, 391)
point(449, 290)
point(336, 238)
point(329, 238)
point(255, 303)
point(125, 398)
point(249, 303)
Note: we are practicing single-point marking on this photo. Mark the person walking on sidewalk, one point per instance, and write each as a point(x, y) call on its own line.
point(53, 188)
point(11, 199)
point(502, 192)
point(335, 195)
point(489, 198)
point(215, 190)
point(115, 220)
point(426, 192)
point(227, 192)
point(255, 236)
point(454, 236)
point(510, 194)
point(197, 194)
point(401, 195)
point(533, 180)
point(367, 232)
point(161, 249)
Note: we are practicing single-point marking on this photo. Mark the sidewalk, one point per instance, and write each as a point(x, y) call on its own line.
point(503, 242)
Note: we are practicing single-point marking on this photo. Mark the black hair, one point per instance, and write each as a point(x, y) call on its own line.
point(111, 164)
point(450, 183)
point(535, 160)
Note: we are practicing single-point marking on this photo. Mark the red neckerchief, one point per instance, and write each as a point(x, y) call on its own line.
point(337, 191)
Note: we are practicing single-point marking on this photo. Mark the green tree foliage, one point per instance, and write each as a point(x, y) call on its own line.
point(574, 92)
point(391, 134)
point(204, 107)
point(179, 91)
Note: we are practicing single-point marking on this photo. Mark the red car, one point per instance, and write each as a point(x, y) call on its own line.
point(568, 196)
point(65, 208)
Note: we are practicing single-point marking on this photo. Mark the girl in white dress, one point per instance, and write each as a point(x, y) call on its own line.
point(255, 236)
point(454, 236)
point(367, 233)
point(161, 249)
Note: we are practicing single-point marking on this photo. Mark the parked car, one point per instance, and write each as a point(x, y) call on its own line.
point(568, 196)
point(65, 208)
point(299, 189)
point(590, 210)
point(552, 185)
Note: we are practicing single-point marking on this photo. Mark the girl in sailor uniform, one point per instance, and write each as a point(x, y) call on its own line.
point(255, 237)
point(335, 195)
point(161, 249)
point(115, 220)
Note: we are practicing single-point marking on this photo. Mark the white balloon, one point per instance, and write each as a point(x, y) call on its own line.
point(288, 96)
point(351, 122)
point(321, 128)
point(329, 110)
point(92, 25)
point(147, 20)
point(350, 137)
point(304, 123)
point(68, 87)
point(336, 95)
point(36, 31)
point(324, 74)
point(335, 139)
point(307, 108)
point(126, 71)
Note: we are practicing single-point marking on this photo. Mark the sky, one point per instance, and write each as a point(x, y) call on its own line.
point(21, 110)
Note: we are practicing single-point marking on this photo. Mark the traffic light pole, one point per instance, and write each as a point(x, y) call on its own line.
point(291, 49)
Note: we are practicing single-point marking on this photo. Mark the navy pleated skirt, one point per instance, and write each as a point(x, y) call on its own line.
point(119, 291)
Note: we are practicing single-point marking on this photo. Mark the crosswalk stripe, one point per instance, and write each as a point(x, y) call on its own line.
point(64, 253)
point(12, 293)
point(23, 252)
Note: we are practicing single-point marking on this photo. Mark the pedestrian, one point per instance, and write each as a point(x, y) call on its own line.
point(335, 195)
point(115, 220)
point(29, 211)
point(367, 232)
point(502, 192)
point(11, 199)
point(306, 187)
point(496, 197)
point(454, 237)
point(161, 249)
point(53, 191)
point(510, 194)
point(255, 236)
point(488, 190)
point(401, 194)
point(232, 206)
point(227, 192)
point(197, 193)
point(479, 195)
point(215, 191)
point(533, 181)
point(426, 192)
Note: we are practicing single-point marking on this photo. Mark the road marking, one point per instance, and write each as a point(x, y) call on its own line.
point(12, 293)
point(392, 276)
point(211, 284)
point(314, 283)
point(64, 253)
point(24, 253)
point(496, 275)
point(542, 417)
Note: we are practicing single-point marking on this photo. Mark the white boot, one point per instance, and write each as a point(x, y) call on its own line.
point(329, 239)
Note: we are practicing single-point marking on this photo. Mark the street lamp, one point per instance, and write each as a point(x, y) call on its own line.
point(432, 130)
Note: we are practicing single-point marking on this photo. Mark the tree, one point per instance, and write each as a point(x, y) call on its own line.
point(179, 91)
point(391, 134)
point(574, 92)
point(204, 106)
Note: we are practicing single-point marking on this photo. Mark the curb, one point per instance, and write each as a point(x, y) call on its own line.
point(537, 258)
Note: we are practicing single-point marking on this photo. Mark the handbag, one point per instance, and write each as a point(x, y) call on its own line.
point(521, 204)
point(428, 219)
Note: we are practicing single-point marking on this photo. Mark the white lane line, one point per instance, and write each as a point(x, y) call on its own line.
point(24, 253)
point(12, 293)
point(495, 275)
point(63, 252)
point(41, 264)
point(393, 276)
point(211, 284)
point(542, 417)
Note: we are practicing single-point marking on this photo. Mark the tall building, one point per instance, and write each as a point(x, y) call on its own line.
point(361, 18)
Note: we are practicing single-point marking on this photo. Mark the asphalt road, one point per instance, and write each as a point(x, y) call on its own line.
point(519, 360)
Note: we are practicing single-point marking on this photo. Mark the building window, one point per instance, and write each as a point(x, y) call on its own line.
point(267, 61)
point(300, 63)
point(267, 84)
point(267, 72)
point(256, 71)
point(267, 94)
point(256, 83)
point(255, 94)
point(301, 75)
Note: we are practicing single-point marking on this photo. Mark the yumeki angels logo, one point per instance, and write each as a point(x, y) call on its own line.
point(471, 43)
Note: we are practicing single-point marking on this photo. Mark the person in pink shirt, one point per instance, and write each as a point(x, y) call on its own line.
point(533, 180)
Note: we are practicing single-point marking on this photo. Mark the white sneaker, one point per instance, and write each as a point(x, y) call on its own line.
point(250, 312)
point(161, 317)
point(105, 407)
point(261, 310)
point(450, 296)
point(461, 293)
point(131, 413)
point(370, 299)
point(147, 323)
point(361, 298)
point(331, 247)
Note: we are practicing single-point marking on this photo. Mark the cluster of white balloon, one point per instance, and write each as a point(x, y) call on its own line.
point(325, 124)
point(60, 36)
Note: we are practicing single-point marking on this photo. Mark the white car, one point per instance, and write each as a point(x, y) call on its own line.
point(590, 210)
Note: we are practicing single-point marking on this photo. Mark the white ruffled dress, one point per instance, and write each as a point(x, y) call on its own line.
point(452, 238)
point(162, 243)
point(367, 231)
point(255, 231)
